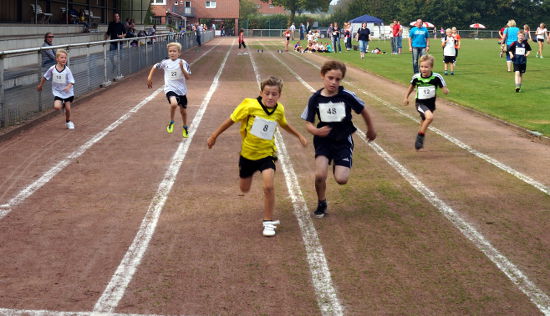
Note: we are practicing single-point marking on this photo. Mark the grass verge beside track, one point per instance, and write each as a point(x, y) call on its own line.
point(481, 81)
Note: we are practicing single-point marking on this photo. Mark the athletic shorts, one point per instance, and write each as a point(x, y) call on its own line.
point(248, 167)
point(340, 152)
point(540, 40)
point(422, 108)
point(182, 99)
point(69, 99)
point(520, 67)
point(449, 59)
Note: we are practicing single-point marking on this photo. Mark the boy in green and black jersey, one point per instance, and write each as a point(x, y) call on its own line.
point(426, 82)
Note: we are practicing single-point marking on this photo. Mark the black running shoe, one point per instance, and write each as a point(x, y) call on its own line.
point(517, 90)
point(419, 142)
point(321, 210)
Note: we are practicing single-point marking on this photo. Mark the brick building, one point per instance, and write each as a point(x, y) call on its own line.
point(267, 8)
point(190, 11)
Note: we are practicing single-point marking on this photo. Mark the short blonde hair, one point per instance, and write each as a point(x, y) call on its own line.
point(272, 81)
point(428, 58)
point(448, 30)
point(61, 51)
point(175, 44)
point(511, 23)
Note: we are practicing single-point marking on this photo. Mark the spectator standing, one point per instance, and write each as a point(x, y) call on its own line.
point(199, 33)
point(396, 28)
point(335, 35)
point(347, 35)
point(115, 31)
point(302, 31)
point(527, 31)
point(292, 29)
point(458, 42)
point(363, 37)
point(419, 40)
point(48, 55)
point(399, 37)
point(392, 41)
point(510, 36)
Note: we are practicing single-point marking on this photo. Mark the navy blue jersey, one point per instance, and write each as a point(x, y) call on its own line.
point(519, 50)
point(334, 111)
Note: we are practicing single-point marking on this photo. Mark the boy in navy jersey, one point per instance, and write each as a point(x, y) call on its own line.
point(519, 50)
point(426, 82)
point(176, 72)
point(332, 136)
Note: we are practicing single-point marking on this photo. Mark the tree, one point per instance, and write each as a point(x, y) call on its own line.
point(300, 5)
point(247, 8)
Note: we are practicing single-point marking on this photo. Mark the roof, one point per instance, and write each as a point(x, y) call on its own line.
point(367, 19)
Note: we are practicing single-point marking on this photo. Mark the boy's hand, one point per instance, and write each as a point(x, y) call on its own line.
point(323, 131)
point(211, 141)
point(67, 88)
point(149, 83)
point(39, 87)
point(303, 140)
point(406, 101)
point(371, 134)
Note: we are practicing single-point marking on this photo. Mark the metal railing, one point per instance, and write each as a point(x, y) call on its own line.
point(93, 64)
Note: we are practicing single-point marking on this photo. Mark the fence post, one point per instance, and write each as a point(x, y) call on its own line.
point(39, 94)
point(88, 79)
point(4, 121)
point(106, 81)
point(119, 61)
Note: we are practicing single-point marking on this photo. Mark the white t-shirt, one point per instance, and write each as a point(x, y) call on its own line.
point(60, 80)
point(541, 32)
point(449, 49)
point(174, 80)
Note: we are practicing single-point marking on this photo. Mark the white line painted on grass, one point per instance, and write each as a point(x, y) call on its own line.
point(536, 295)
point(117, 286)
point(5, 209)
point(327, 299)
point(540, 186)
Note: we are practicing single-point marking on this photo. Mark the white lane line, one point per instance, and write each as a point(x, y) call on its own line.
point(32, 312)
point(540, 186)
point(522, 282)
point(327, 298)
point(6, 208)
point(117, 286)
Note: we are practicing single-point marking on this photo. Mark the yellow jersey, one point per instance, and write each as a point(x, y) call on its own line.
point(258, 126)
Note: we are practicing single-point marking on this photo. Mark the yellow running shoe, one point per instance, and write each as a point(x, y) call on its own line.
point(184, 132)
point(170, 128)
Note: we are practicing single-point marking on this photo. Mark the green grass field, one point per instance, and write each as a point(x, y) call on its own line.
point(480, 82)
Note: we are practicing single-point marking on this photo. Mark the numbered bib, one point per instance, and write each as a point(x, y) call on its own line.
point(59, 78)
point(520, 50)
point(332, 112)
point(426, 92)
point(173, 74)
point(262, 128)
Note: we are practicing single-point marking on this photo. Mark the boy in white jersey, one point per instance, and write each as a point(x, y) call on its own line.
point(62, 85)
point(259, 119)
point(176, 72)
point(449, 51)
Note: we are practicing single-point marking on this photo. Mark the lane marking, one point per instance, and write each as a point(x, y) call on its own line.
point(6, 208)
point(327, 299)
point(518, 278)
point(37, 312)
point(538, 185)
point(117, 286)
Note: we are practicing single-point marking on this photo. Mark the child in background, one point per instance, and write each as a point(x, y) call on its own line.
point(176, 72)
point(458, 43)
point(241, 39)
point(62, 85)
point(519, 50)
point(332, 137)
point(259, 118)
point(426, 82)
point(449, 51)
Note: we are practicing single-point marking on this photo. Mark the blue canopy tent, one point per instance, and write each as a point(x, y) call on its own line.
point(371, 22)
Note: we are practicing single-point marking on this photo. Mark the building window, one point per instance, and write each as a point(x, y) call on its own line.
point(158, 2)
point(210, 4)
point(271, 6)
point(187, 4)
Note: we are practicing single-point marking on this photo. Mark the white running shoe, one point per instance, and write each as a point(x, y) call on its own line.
point(269, 228)
point(70, 125)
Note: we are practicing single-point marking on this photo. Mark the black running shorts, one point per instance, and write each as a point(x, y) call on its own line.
point(182, 99)
point(248, 167)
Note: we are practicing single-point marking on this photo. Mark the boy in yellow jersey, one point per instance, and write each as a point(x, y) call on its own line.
point(259, 118)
